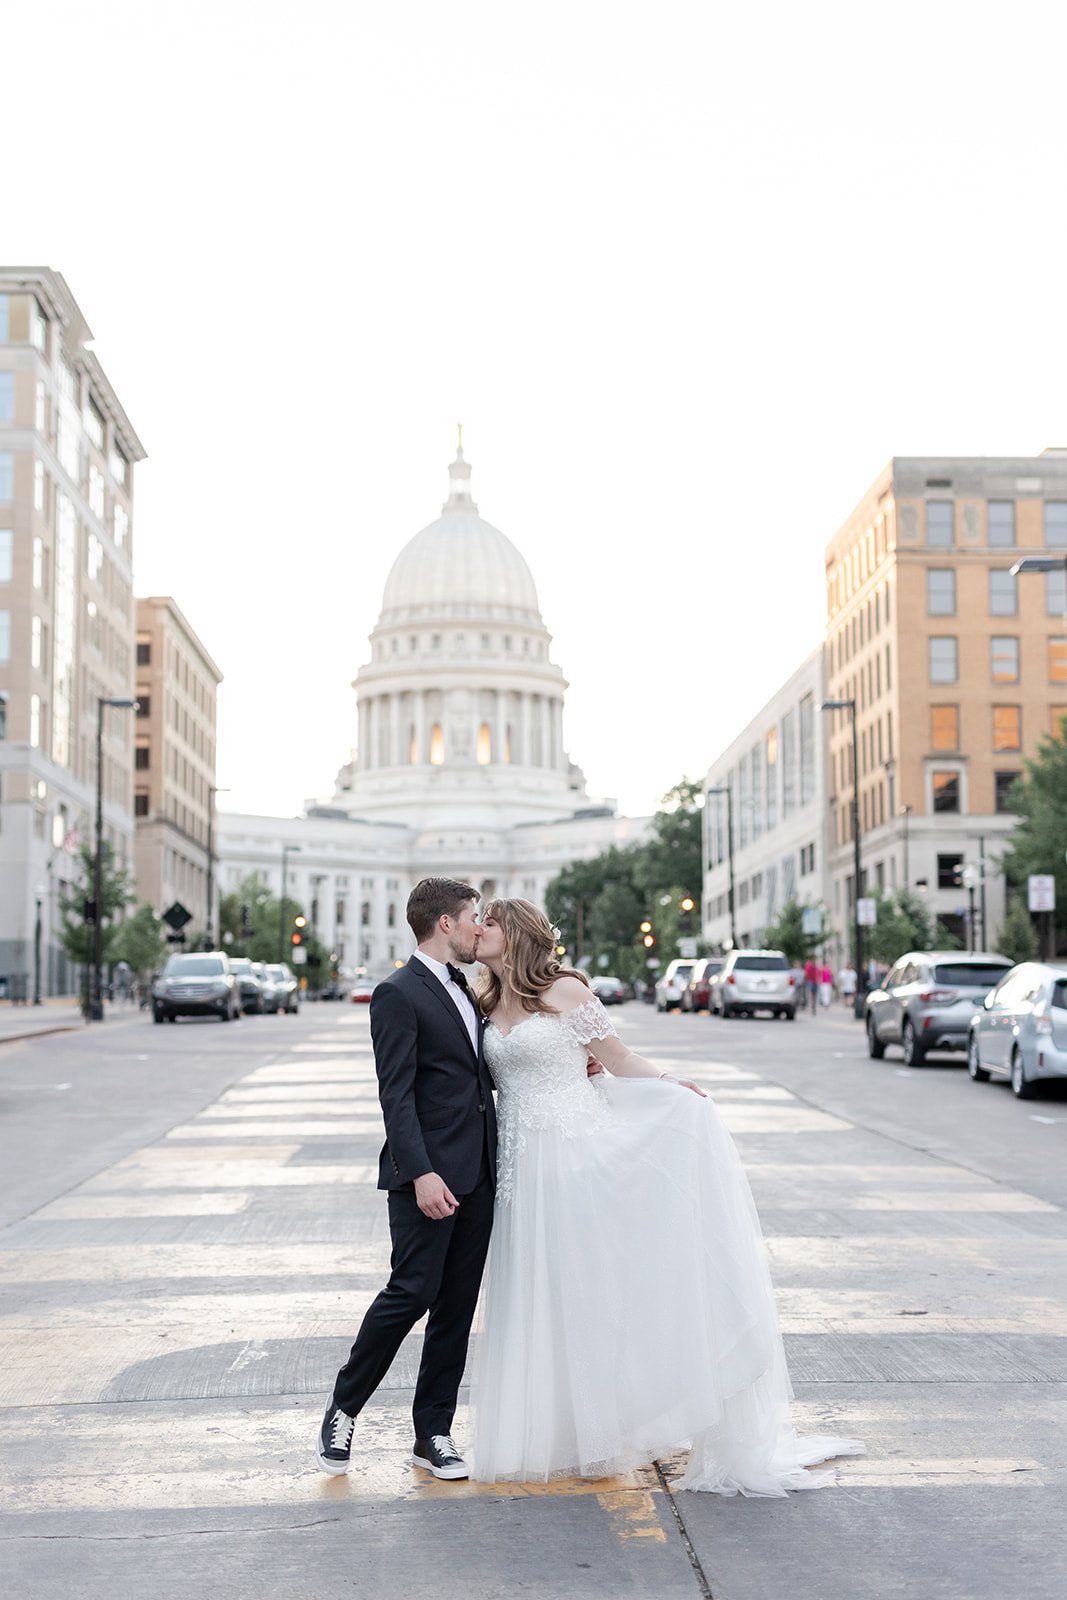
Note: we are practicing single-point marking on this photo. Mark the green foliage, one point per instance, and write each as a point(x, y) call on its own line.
point(140, 942)
point(672, 856)
point(1040, 840)
point(1018, 937)
point(266, 925)
point(902, 923)
point(786, 933)
point(76, 935)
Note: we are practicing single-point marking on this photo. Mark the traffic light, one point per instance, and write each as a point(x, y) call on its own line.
point(299, 931)
point(648, 938)
point(686, 904)
point(246, 923)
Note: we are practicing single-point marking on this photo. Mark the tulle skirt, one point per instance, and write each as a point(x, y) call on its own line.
point(628, 1309)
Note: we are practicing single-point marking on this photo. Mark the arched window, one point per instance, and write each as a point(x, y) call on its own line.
point(485, 745)
point(437, 746)
point(391, 915)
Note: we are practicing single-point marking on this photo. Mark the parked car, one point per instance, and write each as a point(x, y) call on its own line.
point(286, 989)
point(697, 993)
point(609, 991)
point(1021, 1031)
point(928, 1000)
point(671, 987)
point(248, 985)
point(361, 991)
point(268, 998)
point(754, 980)
point(196, 986)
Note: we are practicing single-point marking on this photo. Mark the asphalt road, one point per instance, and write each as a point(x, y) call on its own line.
point(189, 1233)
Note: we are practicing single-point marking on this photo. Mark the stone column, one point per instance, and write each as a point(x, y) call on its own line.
point(396, 738)
point(546, 732)
point(420, 726)
point(499, 741)
point(526, 729)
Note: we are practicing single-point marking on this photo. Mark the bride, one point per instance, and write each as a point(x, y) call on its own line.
point(628, 1307)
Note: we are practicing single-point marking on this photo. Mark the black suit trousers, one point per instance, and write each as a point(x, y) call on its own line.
point(436, 1267)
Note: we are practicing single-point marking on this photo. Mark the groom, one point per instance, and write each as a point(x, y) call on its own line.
point(439, 1167)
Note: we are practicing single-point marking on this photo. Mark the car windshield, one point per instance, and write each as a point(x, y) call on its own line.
point(276, 972)
point(761, 964)
point(970, 974)
point(242, 965)
point(193, 967)
point(1059, 994)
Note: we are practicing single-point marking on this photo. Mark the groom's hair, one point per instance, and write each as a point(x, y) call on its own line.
point(433, 898)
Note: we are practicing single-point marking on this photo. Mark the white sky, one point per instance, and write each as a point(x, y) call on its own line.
point(688, 273)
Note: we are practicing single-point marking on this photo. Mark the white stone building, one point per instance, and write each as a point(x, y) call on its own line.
point(775, 772)
point(460, 768)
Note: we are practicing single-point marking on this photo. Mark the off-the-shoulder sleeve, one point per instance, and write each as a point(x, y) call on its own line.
point(587, 1022)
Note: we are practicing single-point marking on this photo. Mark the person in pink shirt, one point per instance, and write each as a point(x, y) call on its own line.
point(826, 985)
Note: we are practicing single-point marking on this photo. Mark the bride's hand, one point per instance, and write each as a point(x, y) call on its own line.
point(683, 1083)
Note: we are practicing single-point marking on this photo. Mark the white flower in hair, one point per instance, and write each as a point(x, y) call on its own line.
point(556, 933)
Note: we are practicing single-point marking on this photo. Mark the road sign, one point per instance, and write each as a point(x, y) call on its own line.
point(653, 961)
point(687, 949)
point(1041, 891)
point(299, 954)
point(176, 916)
point(866, 912)
point(811, 920)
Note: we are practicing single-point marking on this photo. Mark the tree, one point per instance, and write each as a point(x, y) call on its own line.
point(1040, 839)
point(786, 933)
point(76, 934)
point(671, 858)
point(140, 942)
point(1018, 937)
point(902, 923)
point(249, 925)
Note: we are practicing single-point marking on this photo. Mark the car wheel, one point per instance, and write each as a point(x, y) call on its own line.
point(171, 1017)
point(790, 1013)
point(157, 1015)
point(1021, 1087)
point(875, 1047)
point(974, 1066)
point(913, 1050)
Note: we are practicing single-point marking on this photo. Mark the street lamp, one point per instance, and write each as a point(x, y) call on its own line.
point(287, 851)
point(96, 998)
point(212, 791)
point(728, 792)
point(969, 879)
point(857, 930)
point(37, 946)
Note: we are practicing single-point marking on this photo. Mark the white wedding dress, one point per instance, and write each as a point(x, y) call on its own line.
point(628, 1307)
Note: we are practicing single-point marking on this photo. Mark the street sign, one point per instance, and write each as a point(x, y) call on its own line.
point(687, 949)
point(603, 961)
point(653, 961)
point(1041, 891)
point(176, 916)
point(866, 912)
point(300, 955)
point(811, 920)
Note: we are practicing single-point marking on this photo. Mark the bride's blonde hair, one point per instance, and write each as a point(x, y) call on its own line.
point(530, 964)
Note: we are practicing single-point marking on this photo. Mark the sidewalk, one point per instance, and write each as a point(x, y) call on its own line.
point(61, 1014)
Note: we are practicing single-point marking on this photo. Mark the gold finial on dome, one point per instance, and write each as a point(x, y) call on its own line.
point(459, 473)
point(459, 430)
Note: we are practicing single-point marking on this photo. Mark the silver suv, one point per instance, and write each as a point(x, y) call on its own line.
point(196, 985)
point(754, 980)
point(928, 1000)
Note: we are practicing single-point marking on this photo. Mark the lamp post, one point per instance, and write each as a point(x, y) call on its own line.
point(728, 792)
point(905, 812)
point(212, 791)
point(37, 948)
point(857, 869)
point(96, 998)
point(287, 851)
point(969, 880)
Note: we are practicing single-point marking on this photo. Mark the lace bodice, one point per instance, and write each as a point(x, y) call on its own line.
point(539, 1067)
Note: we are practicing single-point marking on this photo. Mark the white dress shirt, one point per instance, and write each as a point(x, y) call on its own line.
point(460, 999)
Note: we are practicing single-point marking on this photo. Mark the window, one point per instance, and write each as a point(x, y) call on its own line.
point(1003, 600)
point(38, 563)
point(117, 465)
point(35, 721)
point(7, 397)
point(949, 871)
point(35, 643)
point(140, 758)
point(1007, 728)
point(96, 491)
point(144, 653)
point(7, 475)
point(121, 526)
point(1003, 783)
point(485, 746)
point(1055, 721)
point(93, 422)
point(39, 328)
point(94, 557)
point(5, 637)
point(1056, 522)
point(144, 705)
point(939, 522)
point(942, 659)
point(437, 746)
point(946, 791)
point(807, 859)
point(941, 592)
point(40, 411)
point(1002, 522)
point(1057, 661)
point(944, 727)
point(7, 540)
point(140, 806)
point(1004, 659)
point(1056, 592)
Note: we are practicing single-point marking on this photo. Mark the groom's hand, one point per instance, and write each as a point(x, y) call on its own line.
point(434, 1198)
point(593, 1067)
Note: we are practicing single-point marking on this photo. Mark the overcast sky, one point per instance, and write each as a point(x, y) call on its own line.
point(688, 273)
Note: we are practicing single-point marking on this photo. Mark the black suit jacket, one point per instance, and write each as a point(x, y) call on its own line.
point(435, 1089)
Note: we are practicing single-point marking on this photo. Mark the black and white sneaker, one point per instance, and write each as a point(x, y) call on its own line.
point(334, 1445)
point(440, 1455)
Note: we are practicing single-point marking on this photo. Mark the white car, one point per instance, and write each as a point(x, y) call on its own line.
point(672, 985)
point(755, 980)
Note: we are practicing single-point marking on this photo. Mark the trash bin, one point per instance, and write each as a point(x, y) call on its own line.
point(3, 986)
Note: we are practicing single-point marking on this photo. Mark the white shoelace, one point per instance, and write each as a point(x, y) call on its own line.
point(343, 1427)
point(444, 1443)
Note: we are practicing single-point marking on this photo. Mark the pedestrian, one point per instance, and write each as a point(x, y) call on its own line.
point(846, 983)
point(826, 985)
point(811, 981)
point(797, 976)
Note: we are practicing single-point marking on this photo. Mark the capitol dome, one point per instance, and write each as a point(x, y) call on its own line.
point(459, 566)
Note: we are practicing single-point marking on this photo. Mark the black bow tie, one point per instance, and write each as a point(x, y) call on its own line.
point(458, 979)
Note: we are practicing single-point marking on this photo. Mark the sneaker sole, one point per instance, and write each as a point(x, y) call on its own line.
point(440, 1472)
point(336, 1469)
